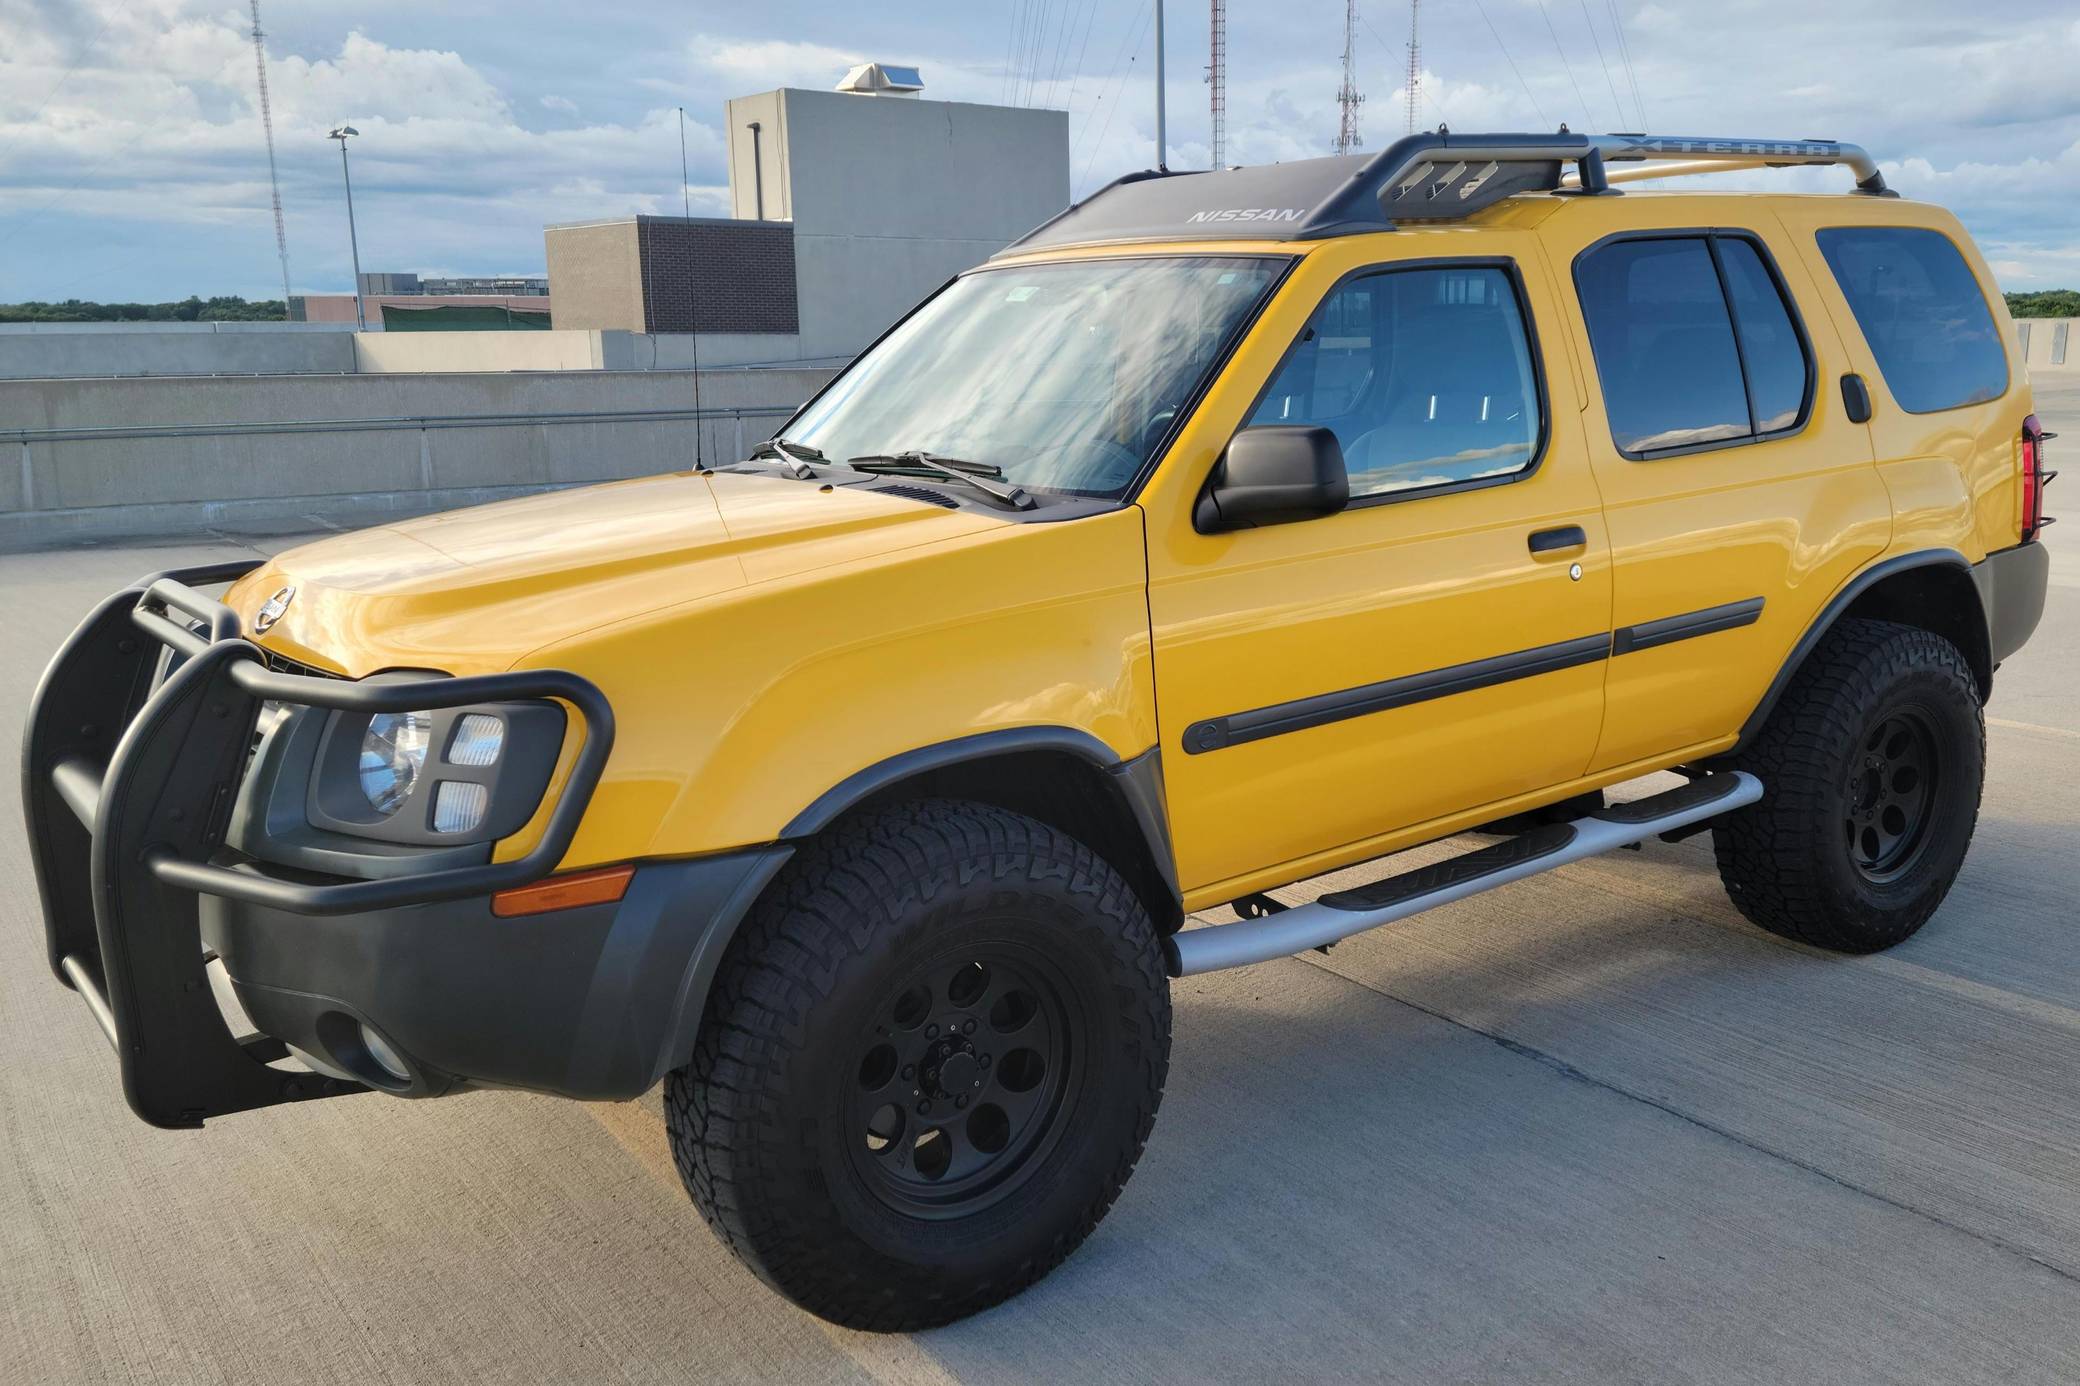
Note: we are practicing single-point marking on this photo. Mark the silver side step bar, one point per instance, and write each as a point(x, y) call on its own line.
point(1346, 912)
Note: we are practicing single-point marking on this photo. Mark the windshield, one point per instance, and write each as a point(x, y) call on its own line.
point(1067, 376)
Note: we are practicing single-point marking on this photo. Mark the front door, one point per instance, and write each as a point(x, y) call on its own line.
point(1437, 646)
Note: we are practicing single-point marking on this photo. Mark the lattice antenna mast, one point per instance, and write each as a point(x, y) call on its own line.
point(274, 181)
point(1415, 62)
point(1348, 96)
point(1217, 80)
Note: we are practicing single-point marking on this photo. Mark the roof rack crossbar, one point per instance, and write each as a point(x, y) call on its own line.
point(1443, 176)
point(1426, 177)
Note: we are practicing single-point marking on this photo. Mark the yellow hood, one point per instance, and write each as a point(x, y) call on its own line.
point(472, 591)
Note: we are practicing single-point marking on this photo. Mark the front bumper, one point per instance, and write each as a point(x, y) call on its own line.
point(130, 765)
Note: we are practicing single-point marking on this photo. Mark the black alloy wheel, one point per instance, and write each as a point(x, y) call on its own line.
point(1893, 782)
point(962, 1079)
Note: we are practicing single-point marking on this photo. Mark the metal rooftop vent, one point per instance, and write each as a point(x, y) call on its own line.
point(880, 79)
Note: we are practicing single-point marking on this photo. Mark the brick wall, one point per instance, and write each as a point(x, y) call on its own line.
point(716, 276)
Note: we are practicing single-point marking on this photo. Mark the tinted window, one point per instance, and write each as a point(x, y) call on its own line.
point(1770, 345)
point(1922, 312)
point(1664, 344)
point(1424, 375)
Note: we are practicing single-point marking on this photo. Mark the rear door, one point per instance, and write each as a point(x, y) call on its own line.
point(1948, 395)
point(1738, 495)
point(1437, 646)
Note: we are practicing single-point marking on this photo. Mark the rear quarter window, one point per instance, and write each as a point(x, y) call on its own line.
point(1923, 313)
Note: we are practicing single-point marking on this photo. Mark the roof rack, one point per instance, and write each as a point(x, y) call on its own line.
point(1426, 177)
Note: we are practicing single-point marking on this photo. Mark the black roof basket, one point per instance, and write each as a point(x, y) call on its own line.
point(1426, 177)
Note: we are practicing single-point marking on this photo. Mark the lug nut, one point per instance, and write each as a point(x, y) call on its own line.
point(924, 1108)
point(960, 1102)
point(985, 1061)
point(909, 1070)
point(931, 1030)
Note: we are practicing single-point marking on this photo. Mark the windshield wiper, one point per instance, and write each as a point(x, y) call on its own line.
point(796, 456)
point(916, 462)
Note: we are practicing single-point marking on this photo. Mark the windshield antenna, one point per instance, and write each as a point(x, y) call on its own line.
point(692, 299)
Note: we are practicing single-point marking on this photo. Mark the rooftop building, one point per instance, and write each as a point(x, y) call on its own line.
point(847, 207)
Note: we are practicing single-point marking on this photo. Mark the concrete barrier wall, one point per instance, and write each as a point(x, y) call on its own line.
point(2049, 344)
point(106, 457)
point(315, 349)
point(56, 355)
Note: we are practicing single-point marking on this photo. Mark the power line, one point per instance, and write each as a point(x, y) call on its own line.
point(1625, 52)
point(1427, 94)
point(1010, 48)
point(1586, 120)
point(1106, 81)
point(1144, 16)
point(1497, 35)
point(1616, 104)
point(1090, 18)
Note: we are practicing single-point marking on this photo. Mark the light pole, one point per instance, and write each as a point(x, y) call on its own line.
point(353, 242)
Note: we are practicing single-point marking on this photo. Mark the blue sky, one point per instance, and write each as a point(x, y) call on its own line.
point(132, 164)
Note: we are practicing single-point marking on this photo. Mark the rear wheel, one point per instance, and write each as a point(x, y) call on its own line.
point(929, 1064)
point(1871, 767)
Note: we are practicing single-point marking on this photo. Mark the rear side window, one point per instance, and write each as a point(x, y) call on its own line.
point(1424, 375)
point(1695, 344)
point(1922, 312)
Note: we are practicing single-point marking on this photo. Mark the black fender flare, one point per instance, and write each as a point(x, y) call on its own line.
point(1863, 582)
point(727, 901)
point(1139, 780)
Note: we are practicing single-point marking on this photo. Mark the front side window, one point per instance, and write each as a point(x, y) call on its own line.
point(1068, 376)
point(1694, 341)
point(1424, 375)
point(1923, 313)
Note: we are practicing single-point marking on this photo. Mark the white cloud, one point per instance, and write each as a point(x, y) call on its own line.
point(132, 162)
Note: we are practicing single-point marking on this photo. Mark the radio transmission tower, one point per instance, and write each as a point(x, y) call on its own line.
point(1217, 80)
point(1348, 96)
point(274, 181)
point(1415, 62)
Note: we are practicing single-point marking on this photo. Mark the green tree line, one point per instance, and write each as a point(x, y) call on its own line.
point(2045, 303)
point(224, 308)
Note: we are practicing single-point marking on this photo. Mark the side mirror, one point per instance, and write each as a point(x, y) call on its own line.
point(1271, 474)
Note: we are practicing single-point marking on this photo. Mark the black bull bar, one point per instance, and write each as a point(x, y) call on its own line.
point(131, 760)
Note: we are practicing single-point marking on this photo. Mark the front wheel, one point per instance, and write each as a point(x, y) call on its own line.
point(929, 1064)
point(1871, 766)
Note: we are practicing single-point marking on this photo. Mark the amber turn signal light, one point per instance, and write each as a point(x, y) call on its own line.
point(602, 887)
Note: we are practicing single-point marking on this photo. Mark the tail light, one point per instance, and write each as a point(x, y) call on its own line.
point(2034, 478)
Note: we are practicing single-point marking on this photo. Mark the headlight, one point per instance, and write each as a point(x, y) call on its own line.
point(393, 755)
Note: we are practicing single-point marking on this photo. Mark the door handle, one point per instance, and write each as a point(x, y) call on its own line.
point(1559, 540)
point(1856, 398)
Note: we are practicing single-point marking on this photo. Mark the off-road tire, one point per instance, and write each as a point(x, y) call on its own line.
point(1791, 861)
point(760, 1120)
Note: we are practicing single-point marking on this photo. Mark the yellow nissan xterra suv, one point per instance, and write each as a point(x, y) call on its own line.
point(1228, 529)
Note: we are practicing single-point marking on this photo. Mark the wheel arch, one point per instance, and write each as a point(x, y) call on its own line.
point(1932, 589)
point(1065, 778)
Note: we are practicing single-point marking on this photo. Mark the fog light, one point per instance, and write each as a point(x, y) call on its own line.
point(459, 807)
point(385, 1057)
point(478, 739)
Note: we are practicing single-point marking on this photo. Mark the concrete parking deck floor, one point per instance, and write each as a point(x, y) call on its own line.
point(1591, 1128)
